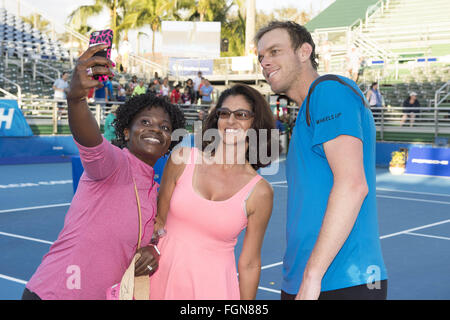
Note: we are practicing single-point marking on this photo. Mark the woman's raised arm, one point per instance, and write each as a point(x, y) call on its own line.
point(83, 125)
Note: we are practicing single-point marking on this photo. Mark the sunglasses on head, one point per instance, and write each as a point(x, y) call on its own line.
point(225, 113)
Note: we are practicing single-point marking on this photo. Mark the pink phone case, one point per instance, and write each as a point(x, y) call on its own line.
point(102, 36)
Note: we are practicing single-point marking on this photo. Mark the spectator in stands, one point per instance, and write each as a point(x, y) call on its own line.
point(60, 87)
point(101, 94)
point(206, 92)
point(156, 78)
point(109, 86)
point(375, 100)
point(175, 95)
point(152, 88)
point(140, 88)
point(190, 86)
point(186, 97)
point(410, 108)
point(109, 130)
point(100, 232)
point(353, 63)
point(130, 87)
point(197, 83)
point(331, 201)
point(121, 93)
point(325, 53)
point(156, 86)
point(165, 88)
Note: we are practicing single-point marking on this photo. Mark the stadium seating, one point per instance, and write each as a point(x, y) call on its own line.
point(409, 39)
point(412, 28)
point(21, 39)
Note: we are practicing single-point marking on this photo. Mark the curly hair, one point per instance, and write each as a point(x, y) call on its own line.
point(128, 111)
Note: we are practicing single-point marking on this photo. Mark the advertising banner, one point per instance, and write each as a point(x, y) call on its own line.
point(428, 161)
point(190, 67)
point(12, 121)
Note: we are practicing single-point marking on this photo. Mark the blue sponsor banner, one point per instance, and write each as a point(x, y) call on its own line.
point(190, 67)
point(428, 161)
point(12, 121)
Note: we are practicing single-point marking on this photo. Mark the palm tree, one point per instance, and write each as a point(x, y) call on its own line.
point(234, 31)
point(37, 22)
point(150, 13)
point(207, 10)
point(117, 11)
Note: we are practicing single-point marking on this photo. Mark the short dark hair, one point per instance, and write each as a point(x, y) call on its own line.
point(126, 112)
point(298, 34)
point(263, 117)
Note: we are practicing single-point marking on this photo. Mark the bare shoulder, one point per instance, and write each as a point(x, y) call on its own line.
point(261, 199)
point(263, 189)
point(177, 162)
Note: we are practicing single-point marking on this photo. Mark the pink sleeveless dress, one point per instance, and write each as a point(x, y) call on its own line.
point(197, 259)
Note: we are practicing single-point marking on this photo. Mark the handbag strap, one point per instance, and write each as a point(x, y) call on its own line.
point(140, 214)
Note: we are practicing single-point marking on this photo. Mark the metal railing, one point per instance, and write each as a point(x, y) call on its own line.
point(427, 120)
point(17, 97)
point(54, 112)
point(440, 96)
point(378, 7)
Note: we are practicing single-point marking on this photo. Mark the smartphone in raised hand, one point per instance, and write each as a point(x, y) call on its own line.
point(106, 37)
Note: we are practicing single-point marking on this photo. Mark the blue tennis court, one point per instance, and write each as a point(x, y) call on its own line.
point(414, 217)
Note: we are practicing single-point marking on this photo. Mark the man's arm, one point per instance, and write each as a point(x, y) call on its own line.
point(345, 157)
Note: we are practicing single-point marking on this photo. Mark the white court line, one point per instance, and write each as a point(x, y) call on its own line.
point(384, 189)
point(412, 199)
point(271, 265)
point(415, 192)
point(37, 207)
point(414, 229)
point(278, 182)
point(25, 238)
point(427, 235)
point(270, 290)
point(2, 276)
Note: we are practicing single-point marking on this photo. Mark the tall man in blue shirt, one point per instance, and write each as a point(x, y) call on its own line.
point(333, 248)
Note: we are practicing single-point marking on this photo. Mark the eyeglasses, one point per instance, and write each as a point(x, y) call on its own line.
point(225, 113)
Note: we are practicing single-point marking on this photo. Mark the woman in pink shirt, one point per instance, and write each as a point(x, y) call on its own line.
point(101, 228)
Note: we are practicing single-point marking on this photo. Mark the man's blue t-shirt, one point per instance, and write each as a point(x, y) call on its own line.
point(100, 93)
point(335, 110)
point(207, 90)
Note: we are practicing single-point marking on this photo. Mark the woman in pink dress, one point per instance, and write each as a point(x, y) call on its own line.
point(208, 197)
point(101, 228)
